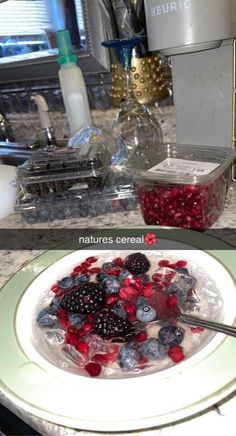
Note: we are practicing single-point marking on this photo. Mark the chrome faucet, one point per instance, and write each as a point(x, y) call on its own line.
point(6, 133)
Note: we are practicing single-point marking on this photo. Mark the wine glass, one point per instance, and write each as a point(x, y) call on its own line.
point(136, 131)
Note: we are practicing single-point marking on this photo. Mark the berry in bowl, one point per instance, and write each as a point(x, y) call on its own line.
point(95, 315)
point(183, 186)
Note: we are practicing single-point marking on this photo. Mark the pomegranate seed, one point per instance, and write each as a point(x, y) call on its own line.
point(142, 362)
point(85, 265)
point(171, 302)
point(148, 290)
point(181, 263)
point(91, 259)
point(77, 269)
point(157, 277)
point(103, 358)
point(118, 262)
point(82, 347)
point(164, 262)
point(113, 272)
point(111, 300)
point(94, 270)
point(71, 338)
point(55, 289)
point(128, 293)
point(93, 369)
point(172, 265)
point(130, 308)
point(141, 337)
point(176, 353)
point(197, 329)
point(87, 327)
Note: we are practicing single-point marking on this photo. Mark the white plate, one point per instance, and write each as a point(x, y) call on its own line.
point(33, 383)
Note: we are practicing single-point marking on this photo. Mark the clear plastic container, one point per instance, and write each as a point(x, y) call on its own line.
point(183, 186)
point(75, 204)
point(61, 169)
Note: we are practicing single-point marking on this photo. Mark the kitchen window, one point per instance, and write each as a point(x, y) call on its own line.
point(27, 27)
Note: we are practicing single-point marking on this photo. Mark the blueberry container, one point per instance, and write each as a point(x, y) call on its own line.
point(183, 186)
point(75, 204)
point(60, 169)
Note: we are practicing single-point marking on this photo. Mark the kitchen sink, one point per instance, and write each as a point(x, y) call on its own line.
point(16, 153)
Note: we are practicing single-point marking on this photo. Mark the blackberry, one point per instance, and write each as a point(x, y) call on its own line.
point(137, 263)
point(109, 325)
point(88, 298)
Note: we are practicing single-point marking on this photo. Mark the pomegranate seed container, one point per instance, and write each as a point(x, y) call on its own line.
point(183, 186)
point(60, 169)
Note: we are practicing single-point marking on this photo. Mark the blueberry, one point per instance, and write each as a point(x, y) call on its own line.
point(66, 283)
point(141, 301)
point(119, 309)
point(171, 335)
point(44, 312)
point(181, 270)
point(47, 320)
point(107, 265)
point(152, 349)
point(123, 275)
point(76, 319)
point(146, 313)
point(55, 304)
point(83, 278)
point(101, 276)
point(186, 281)
point(128, 356)
point(112, 285)
point(182, 284)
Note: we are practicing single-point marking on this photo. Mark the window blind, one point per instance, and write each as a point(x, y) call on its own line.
point(18, 18)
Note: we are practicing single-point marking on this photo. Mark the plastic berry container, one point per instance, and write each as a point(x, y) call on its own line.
point(75, 204)
point(60, 169)
point(183, 186)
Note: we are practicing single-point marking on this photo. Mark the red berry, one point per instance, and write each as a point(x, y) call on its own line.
point(171, 302)
point(78, 269)
point(197, 329)
point(118, 262)
point(91, 259)
point(94, 270)
point(164, 262)
point(181, 263)
point(87, 327)
point(157, 277)
point(82, 347)
point(111, 300)
point(113, 272)
point(130, 308)
point(172, 265)
point(141, 337)
point(55, 289)
point(103, 358)
point(176, 353)
point(93, 369)
point(148, 290)
point(85, 264)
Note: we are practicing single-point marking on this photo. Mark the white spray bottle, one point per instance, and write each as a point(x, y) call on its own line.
point(72, 85)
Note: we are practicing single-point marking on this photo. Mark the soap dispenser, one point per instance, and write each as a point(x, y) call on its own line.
point(72, 85)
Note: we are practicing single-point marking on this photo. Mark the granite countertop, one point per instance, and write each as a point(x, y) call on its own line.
point(220, 417)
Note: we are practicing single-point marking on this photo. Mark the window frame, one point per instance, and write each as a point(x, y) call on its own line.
point(92, 60)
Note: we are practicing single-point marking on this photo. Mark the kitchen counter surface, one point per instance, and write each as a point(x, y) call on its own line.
point(220, 418)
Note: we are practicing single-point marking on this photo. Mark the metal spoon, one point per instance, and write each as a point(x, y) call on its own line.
point(199, 322)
